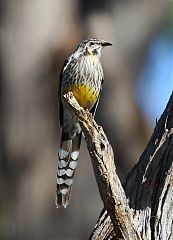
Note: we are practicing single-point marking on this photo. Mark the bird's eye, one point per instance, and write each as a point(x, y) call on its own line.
point(91, 43)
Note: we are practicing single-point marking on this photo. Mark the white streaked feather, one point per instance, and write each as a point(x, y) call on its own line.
point(73, 164)
point(62, 154)
point(61, 172)
point(64, 190)
point(75, 155)
point(62, 164)
point(69, 182)
point(69, 172)
point(60, 180)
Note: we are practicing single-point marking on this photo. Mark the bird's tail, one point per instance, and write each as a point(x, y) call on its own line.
point(68, 156)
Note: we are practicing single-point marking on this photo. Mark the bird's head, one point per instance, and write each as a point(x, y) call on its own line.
point(92, 46)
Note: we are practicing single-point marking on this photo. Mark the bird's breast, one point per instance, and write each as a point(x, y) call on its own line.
point(84, 79)
point(84, 94)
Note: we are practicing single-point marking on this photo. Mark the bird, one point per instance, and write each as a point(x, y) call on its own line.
point(81, 74)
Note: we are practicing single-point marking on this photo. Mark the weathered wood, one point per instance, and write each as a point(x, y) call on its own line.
point(146, 211)
point(149, 186)
point(111, 190)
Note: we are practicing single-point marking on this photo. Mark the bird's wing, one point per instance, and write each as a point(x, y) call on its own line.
point(94, 108)
point(59, 90)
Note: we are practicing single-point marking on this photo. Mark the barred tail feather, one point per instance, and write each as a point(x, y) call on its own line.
point(68, 156)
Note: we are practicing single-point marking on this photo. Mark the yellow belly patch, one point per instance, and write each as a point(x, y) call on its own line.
point(84, 94)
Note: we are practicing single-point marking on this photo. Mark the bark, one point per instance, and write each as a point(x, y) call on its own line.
point(143, 209)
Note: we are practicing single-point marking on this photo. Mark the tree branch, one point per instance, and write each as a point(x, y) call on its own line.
point(149, 186)
point(110, 188)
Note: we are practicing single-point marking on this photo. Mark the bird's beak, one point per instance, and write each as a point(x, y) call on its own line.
point(105, 44)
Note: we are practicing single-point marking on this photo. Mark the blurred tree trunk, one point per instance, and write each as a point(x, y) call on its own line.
point(149, 188)
point(31, 38)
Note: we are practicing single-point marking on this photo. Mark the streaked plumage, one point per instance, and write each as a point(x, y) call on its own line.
point(82, 74)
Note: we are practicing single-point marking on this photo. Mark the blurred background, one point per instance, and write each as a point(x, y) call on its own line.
point(36, 37)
